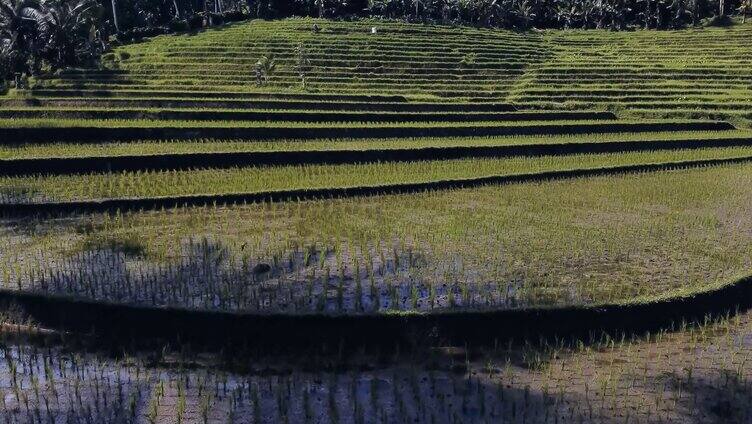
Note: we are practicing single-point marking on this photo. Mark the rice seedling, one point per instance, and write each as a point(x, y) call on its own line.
point(148, 184)
point(405, 252)
point(370, 86)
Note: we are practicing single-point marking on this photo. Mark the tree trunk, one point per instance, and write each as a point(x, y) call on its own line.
point(114, 16)
point(695, 12)
point(721, 8)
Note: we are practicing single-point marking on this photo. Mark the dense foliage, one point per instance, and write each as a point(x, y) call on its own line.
point(54, 34)
point(51, 34)
point(519, 14)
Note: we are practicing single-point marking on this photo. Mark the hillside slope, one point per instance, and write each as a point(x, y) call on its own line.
point(699, 73)
point(702, 73)
point(179, 124)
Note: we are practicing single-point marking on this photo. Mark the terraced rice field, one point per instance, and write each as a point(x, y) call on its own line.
point(693, 374)
point(677, 74)
point(368, 109)
point(383, 171)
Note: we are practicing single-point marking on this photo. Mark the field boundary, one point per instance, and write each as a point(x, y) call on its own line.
point(263, 104)
point(223, 160)
point(99, 134)
point(209, 94)
point(216, 328)
point(156, 203)
point(305, 116)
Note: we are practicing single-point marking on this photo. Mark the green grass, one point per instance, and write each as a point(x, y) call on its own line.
point(585, 242)
point(263, 179)
point(156, 147)
point(538, 259)
point(574, 242)
point(146, 123)
point(531, 69)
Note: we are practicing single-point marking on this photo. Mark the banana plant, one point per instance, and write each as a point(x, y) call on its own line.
point(65, 28)
point(524, 12)
point(744, 8)
point(680, 13)
point(19, 31)
point(264, 69)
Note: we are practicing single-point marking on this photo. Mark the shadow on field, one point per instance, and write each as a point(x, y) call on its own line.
point(723, 397)
point(129, 309)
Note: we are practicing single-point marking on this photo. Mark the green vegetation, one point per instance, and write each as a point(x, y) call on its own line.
point(248, 180)
point(694, 373)
point(407, 114)
point(687, 72)
point(585, 241)
point(157, 147)
point(166, 96)
point(131, 123)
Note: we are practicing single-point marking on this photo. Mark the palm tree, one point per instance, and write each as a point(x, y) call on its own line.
point(63, 26)
point(19, 29)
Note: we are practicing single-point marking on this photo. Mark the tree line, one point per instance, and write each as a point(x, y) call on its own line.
point(37, 35)
point(50, 34)
point(509, 14)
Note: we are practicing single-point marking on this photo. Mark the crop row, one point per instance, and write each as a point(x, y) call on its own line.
point(15, 131)
point(267, 101)
point(280, 97)
point(210, 76)
point(422, 252)
point(459, 88)
point(169, 160)
point(164, 189)
point(48, 150)
point(308, 116)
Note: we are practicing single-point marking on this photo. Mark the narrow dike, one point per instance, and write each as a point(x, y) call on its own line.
point(100, 134)
point(117, 322)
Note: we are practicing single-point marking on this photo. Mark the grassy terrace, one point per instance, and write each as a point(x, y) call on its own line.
point(163, 147)
point(497, 113)
point(370, 104)
point(303, 116)
point(252, 179)
point(381, 62)
point(659, 74)
point(147, 123)
point(584, 241)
